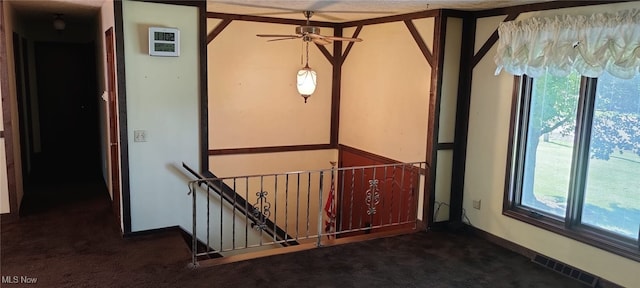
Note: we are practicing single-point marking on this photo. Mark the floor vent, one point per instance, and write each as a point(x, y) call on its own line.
point(566, 270)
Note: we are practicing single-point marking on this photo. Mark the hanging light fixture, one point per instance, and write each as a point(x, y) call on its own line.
point(58, 23)
point(306, 79)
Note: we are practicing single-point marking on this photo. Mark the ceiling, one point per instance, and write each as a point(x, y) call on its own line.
point(75, 9)
point(350, 10)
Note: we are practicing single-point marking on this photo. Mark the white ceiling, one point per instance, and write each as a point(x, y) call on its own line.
point(345, 10)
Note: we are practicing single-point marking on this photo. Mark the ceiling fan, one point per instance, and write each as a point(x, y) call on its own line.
point(309, 33)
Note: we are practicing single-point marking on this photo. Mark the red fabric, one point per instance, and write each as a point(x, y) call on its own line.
point(330, 209)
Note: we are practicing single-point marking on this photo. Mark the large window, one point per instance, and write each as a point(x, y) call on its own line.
point(575, 162)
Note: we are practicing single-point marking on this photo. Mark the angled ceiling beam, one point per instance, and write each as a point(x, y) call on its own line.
point(262, 19)
point(218, 29)
point(346, 51)
point(423, 46)
point(326, 54)
point(492, 40)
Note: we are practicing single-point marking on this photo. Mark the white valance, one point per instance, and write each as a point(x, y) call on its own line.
point(588, 44)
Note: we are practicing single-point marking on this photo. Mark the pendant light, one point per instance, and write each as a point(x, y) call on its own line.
point(306, 78)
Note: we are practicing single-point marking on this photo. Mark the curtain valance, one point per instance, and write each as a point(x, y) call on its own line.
point(588, 44)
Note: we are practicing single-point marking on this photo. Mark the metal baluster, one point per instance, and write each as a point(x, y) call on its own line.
point(220, 185)
point(275, 207)
point(208, 227)
point(383, 196)
point(194, 237)
point(393, 181)
point(341, 203)
point(410, 193)
point(308, 201)
point(361, 189)
point(320, 210)
point(261, 217)
point(353, 181)
point(373, 202)
point(401, 194)
point(298, 208)
point(286, 209)
point(233, 227)
point(246, 212)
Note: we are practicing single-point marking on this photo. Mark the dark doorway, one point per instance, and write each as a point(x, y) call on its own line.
point(66, 166)
point(68, 109)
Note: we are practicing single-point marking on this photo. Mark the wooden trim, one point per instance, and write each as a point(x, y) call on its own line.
point(490, 42)
point(336, 91)
point(217, 30)
point(122, 116)
point(1, 133)
point(326, 53)
point(6, 114)
point(439, 37)
point(262, 19)
point(394, 18)
point(149, 232)
point(421, 44)
point(374, 157)
point(541, 7)
point(270, 149)
point(204, 85)
point(463, 104)
point(445, 146)
point(348, 49)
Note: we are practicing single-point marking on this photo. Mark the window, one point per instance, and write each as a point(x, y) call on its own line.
point(575, 159)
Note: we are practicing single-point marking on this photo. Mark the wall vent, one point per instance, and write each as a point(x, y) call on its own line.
point(566, 270)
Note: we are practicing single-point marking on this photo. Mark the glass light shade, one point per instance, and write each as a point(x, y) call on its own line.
point(306, 82)
point(59, 24)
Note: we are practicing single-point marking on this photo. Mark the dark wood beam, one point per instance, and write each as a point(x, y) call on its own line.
point(421, 44)
point(326, 53)
point(336, 88)
point(490, 42)
point(388, 19)
point(348, 49)
point(542, 6)
point(271, 149)
point(262, 19)
point(218, 29)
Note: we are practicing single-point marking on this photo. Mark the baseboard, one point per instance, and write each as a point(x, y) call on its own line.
point(524, 251)
point(7, 218)
point(150, 232)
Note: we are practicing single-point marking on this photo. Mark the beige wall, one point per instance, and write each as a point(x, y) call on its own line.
point(486, 164)
point(253, 100)
point(385, 92)
point(162, 99)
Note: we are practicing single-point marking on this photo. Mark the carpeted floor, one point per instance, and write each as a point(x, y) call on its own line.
point(74, 242)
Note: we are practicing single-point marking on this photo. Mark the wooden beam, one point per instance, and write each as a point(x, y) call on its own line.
point(272, 149)
point(348, 49)
point(326, 53)
point(423, 46)
point(492, 40)
point(218, 29)
point(394, 18)
point(262, 19)
point(336, 90)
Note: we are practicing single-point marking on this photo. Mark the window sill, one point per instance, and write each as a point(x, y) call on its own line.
point(582, 234)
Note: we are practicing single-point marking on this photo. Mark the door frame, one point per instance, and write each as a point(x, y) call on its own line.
point(112, 106)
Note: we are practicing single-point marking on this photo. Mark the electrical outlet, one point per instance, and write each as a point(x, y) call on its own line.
point(476, 204)
point(140, 136)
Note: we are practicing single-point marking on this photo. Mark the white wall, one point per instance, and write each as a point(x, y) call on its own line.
point(385, 92)
point(486, 163)
point(162, 99)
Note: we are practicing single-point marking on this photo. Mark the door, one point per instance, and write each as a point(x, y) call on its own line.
point(113, 123)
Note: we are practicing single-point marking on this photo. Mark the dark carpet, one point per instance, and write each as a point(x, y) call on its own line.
point(76, 243)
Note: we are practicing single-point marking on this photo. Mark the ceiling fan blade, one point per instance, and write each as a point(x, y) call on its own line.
point(321, 41)
point(334, 38)
point(280, 39)
point(279, 35)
